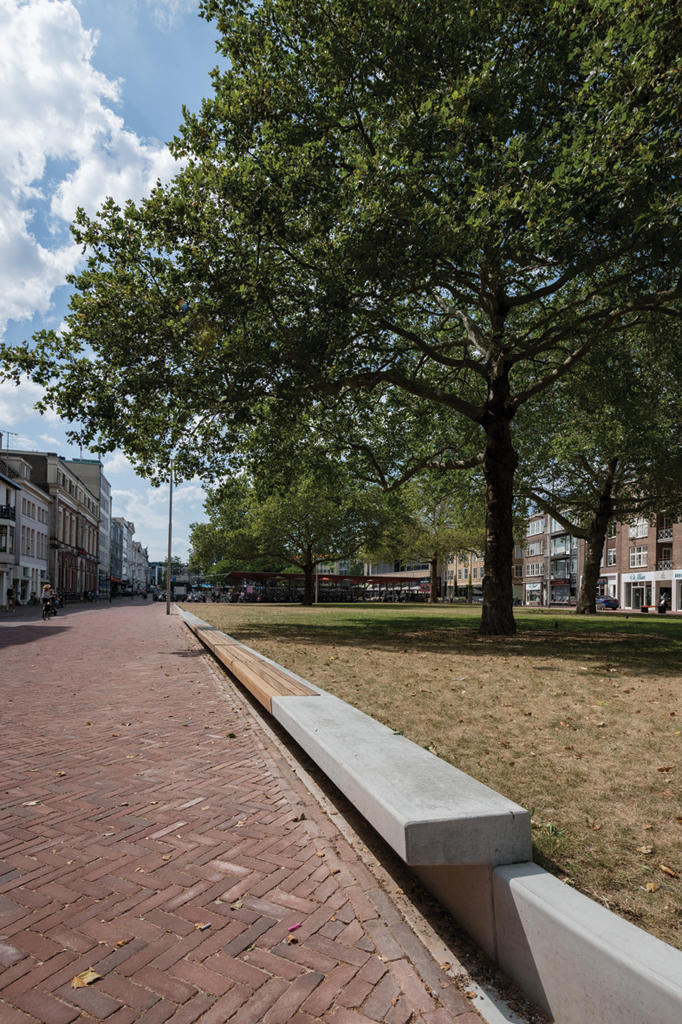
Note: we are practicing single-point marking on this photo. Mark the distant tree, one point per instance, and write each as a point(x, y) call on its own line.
point(436, 522)
point(177, 569)
point(606, 444)
point(316, 520)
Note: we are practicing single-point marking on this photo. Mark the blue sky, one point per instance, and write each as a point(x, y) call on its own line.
point(92, 92)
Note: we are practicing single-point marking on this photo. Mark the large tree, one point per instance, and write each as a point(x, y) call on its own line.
point(450, 202)
point(605, 446)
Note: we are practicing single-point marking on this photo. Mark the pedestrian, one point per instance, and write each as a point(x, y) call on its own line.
point(95, 596)
point(11, 597)
point(662, 605)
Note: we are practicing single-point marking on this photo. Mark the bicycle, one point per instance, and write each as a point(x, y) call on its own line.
point(48, 610)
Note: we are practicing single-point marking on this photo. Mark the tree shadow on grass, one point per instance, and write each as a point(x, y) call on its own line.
point(646, 647)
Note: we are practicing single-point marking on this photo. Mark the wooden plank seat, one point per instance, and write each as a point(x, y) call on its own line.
point(259, 675)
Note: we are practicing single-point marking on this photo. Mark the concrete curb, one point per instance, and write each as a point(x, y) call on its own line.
point(471, 848)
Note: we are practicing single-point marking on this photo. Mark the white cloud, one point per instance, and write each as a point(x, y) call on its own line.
point(56, 107)
point(167, 12)
point(118, 463)
point(17, 401)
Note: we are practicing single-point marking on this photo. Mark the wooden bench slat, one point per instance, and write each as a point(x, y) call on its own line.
point(261, 678)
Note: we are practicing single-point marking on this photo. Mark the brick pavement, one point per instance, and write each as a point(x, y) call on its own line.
point(150, 830)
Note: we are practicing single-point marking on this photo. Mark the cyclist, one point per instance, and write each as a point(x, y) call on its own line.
point(46, 600)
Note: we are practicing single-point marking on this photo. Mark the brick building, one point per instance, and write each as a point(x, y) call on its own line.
point(641, 563)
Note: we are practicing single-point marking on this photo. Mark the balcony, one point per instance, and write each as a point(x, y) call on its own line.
point(8, 512)
point(666, 534)
point(665, 564)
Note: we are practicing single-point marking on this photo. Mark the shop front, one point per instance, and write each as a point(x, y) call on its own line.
point(645, 589)
point(561, 591)
point(534, 593)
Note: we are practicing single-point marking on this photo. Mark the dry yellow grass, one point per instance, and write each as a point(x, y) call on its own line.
point(578, 720)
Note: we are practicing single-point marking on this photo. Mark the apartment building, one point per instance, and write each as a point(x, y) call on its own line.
point(91, 472)
point(10, 491)
point(32, 533)
point(642, 562)
point(73, 525)
point(125, 530)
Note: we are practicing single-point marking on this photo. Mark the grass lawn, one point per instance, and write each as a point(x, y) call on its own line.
point(577, 719)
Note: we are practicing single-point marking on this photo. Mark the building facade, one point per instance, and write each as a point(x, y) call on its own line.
point(32, 536)
point(73, 526)
point(10, 492)
point(91, 472)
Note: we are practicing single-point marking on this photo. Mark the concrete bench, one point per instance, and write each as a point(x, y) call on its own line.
point(472, 849)
point(428, 811)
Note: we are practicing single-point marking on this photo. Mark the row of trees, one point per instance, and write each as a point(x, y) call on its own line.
point(325, 517)
point(398, 235)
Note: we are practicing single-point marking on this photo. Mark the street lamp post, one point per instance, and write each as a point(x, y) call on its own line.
point(170, 541)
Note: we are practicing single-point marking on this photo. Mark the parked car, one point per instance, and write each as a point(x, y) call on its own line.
point(608, 602)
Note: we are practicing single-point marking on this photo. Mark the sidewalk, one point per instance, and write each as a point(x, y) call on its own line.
point(152, 831)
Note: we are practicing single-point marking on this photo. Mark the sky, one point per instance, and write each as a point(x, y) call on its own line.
point(92, 90)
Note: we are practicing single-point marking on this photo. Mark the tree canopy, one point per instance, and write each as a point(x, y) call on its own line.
point(420, 197)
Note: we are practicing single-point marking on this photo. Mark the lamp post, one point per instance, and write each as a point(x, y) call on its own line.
point(170, 541)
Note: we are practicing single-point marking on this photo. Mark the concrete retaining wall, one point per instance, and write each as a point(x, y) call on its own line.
point(471, 847)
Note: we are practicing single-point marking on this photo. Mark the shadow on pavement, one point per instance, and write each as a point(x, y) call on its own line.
point(13, 636)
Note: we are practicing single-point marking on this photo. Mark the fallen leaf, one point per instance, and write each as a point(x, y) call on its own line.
point(401, 891)
point(240, 824)
point(668, 871)
point(85, 978)
point(384, 959)
point(116, 734)
point(511, 763)
point(647, 828)
point(445, 984)
point(645, 849)
point(651, 887)
point(123, 942)
point(601, 725)
point(236, 906)
point(320, 853)
point(232, 736)
point(69, 862)
point(291, 939)
point(680, 820)
point(335, 871)
point(88, 723)
point(30, 803)
point(166, 856)
point(470, 994)
point(394, 1001)
point(445, 966)
point(205, 808)
point(202, 927)
point(61, 773)
point(667, 768)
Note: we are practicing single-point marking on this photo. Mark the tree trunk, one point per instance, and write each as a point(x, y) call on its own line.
point(433, 580)
point(499, 464)
point(593, 555)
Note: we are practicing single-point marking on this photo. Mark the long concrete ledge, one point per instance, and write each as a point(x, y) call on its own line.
point(472, 847)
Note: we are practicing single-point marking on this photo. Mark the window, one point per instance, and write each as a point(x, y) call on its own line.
point(666, 554)
point(459, 574)
point(536, 526)
point(475, 574)
point(666, 523)
point(466, 574)
point(23, 540)
point(518, 551)
point(638, 556)
point(10, 546)
point(611, 556)
point(518, 570)
point(640, 528)
point(535, 568)
point(23, 506)
point(561, 545)
point(3, 538)
point(611, 529)
point(536, 548)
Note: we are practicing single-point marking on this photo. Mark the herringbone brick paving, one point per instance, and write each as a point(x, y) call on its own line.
point(140, 838)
